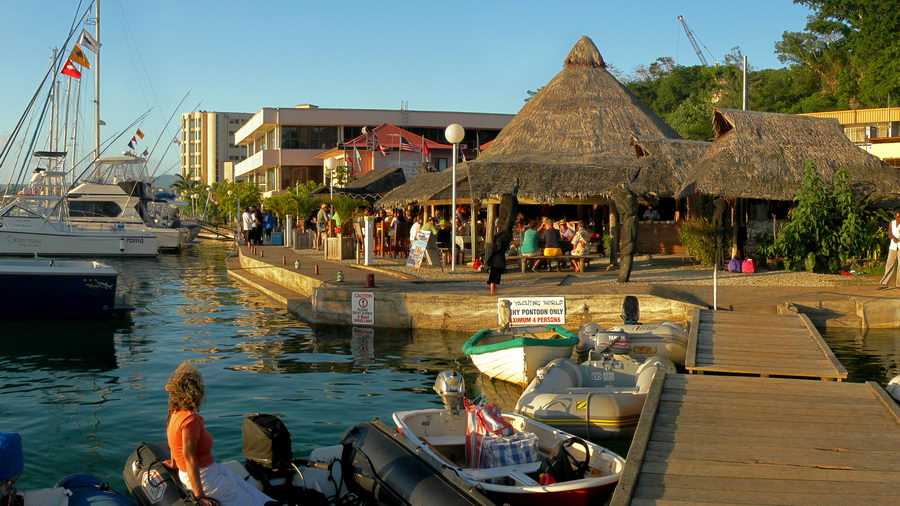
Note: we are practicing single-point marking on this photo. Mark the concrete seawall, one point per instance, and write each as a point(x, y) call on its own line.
point(422, 305)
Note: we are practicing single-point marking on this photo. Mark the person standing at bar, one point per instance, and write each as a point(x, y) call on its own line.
point(893, 260)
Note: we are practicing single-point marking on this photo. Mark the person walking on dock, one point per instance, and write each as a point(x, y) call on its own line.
point(246, 225)
point(892, 266)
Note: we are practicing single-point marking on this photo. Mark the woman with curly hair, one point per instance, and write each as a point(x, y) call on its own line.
point(191, 446)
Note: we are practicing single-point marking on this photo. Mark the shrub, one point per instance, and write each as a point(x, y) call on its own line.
point(698, 236)
point(830, 226)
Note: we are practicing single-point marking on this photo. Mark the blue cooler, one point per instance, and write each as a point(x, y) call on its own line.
point(12, 460)
point(277, 238)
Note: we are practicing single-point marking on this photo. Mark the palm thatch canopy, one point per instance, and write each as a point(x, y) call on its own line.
point(763, 155)
point(372, 184)
point(572, 140)
point(423, 187)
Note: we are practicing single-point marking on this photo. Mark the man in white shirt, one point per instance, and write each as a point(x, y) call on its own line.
point(892, 266)
point(246, 225)
point(414, 229)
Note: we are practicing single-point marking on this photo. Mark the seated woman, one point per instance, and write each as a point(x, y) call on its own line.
point(530, 246)
point(580, 244)
point(191, 447)
point(551, 243)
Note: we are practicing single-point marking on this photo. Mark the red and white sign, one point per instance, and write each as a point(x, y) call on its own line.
point(362, 308)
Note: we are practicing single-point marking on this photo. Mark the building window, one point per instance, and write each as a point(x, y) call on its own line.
point(308, 137)
point(440, 163)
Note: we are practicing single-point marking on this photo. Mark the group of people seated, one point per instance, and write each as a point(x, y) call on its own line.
point(546, 238)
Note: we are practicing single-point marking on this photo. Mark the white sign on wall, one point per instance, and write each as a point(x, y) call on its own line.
point(362, 308)
point(527, 311)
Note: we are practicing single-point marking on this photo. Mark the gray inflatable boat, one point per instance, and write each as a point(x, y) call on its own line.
point(599, 399)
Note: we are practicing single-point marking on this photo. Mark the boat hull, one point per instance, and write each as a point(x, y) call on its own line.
point(57, 296)
point(80, 244)
point(517, 365)
point(577, 497)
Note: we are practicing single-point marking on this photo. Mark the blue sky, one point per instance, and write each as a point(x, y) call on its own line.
point(463, 55)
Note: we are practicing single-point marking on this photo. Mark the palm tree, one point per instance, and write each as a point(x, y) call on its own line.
point(183, 186)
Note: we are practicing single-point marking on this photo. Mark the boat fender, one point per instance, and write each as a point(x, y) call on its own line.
point(12, 459)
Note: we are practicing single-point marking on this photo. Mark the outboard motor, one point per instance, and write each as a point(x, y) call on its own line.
point(451, 387)
point(150, 482)
point(593, 337)
point(631, 310)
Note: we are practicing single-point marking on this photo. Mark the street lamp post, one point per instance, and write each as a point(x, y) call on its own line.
point(454, 134)
point(330, 164)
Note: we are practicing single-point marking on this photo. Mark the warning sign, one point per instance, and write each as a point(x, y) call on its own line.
point(362, 308)
point(528, 311)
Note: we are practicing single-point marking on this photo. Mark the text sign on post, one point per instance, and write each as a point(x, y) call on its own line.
point(528, 311)
point(362, 308)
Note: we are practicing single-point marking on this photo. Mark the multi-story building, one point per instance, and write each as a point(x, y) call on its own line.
point(282, 143)
point(207, 142)
point(874, 130)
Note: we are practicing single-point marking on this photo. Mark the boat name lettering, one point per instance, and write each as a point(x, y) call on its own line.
point(135, 240)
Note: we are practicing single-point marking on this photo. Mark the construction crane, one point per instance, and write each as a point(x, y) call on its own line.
point(694, 42)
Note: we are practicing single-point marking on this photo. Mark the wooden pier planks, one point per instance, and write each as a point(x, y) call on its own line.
point(759, 345)
point(728, 439)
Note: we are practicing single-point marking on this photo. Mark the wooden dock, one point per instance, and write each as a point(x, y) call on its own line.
point(745, 440)
point(787, 346)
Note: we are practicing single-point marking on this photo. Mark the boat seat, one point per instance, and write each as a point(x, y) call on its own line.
point(517, 472)
point(451, 440)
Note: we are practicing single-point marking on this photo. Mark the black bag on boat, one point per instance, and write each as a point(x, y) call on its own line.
point(150, 482)
point(267, 441)
point(564, 466)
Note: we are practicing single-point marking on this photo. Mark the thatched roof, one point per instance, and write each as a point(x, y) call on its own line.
point(372, 184)
point(669, 156)
point(423, 187)
point(763, 155)
point(573, 139)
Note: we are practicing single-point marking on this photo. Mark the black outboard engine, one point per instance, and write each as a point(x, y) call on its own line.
point(150, 482)
point(631, 310)
point(269, 454)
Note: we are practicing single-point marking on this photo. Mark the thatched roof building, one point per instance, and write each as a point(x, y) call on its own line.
point(763, 155)
point(573, 140)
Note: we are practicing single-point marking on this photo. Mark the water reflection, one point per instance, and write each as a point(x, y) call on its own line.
point(30, 346)
point(868, 356)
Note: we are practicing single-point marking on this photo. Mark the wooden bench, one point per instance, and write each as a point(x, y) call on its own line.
point(523, 260)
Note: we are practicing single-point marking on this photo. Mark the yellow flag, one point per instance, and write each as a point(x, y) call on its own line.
point(78, 57)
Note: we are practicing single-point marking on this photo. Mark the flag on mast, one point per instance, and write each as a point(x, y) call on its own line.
point(69, 69)
point(79, 57)
point(89, 42)
point(132, 143)
point(425, 150)
point(139, 134)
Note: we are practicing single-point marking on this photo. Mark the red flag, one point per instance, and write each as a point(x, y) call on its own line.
point(381, 148)
point(69, 69)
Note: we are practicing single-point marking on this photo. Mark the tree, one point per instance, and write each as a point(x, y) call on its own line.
point(852, 45)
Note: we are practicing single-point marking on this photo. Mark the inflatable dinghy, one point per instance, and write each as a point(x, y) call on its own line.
point(665, 340)
point(595, 400)
point(73, 490)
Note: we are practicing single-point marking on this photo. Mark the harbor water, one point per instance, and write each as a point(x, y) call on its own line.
point(83, 395)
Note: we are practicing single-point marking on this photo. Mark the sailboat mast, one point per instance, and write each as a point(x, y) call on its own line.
point(97, 81)
point(54, 104)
